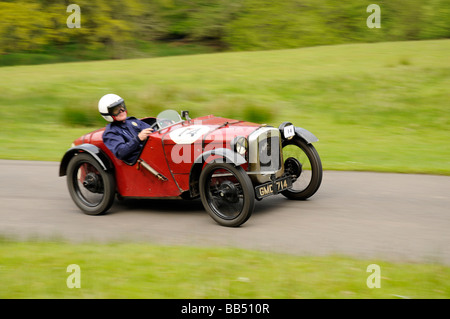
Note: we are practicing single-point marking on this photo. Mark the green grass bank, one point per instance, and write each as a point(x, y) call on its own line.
point(378, 107)
point(133, 270)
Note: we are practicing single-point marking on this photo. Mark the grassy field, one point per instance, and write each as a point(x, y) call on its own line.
point(77, 53)
point(119, 270)
point(380, 107)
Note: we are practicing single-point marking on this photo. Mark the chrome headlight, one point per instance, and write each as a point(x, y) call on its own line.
point(240, 145)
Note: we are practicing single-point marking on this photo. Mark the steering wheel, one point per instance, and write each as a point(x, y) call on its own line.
point(155, 126)
point(160, 124)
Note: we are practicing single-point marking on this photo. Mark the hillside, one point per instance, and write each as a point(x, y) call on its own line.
point(381, 106)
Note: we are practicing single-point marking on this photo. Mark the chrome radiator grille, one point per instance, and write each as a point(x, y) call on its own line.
point(264, 154)
point(269, 154)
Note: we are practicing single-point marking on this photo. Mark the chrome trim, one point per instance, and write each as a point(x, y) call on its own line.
point(254, 165)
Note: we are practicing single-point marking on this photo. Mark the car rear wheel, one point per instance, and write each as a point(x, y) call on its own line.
point(91, 188)
point(227, 193)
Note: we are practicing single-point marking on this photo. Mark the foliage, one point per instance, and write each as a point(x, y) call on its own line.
point(117, 25)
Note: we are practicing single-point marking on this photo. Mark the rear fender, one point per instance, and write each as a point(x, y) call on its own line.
point(100, 156)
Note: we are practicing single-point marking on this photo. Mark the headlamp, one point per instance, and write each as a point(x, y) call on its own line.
point(240, 145)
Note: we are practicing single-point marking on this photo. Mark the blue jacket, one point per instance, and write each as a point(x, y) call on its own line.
point(122, 138)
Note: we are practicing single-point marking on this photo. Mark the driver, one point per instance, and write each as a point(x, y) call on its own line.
point(124, 136)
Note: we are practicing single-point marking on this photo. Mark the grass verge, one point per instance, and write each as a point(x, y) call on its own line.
point(135, 270)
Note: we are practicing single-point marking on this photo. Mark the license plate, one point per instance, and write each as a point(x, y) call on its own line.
point(272, 188)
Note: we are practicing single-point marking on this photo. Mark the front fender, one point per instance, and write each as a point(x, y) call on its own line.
point(227, 154)
point(196, 169)
point(93, 150)
point(306, 135)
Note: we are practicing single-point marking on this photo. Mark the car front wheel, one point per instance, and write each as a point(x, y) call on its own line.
point(227, 193)
point(302, 161)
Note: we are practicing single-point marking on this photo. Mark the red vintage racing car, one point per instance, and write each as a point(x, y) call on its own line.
point(227, 163)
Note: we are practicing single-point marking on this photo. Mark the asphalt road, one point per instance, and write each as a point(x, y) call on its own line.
point(394, 217)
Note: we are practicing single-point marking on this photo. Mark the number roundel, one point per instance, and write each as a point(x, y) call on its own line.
point(188, 135)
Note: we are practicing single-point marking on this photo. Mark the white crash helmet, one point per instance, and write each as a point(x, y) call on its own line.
point(108, 106)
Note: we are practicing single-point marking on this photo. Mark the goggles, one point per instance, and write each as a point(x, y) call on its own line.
point(116, 110)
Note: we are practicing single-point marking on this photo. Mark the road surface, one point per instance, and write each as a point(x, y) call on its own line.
point(395, 217)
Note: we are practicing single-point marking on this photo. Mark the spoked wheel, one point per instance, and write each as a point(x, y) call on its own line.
point(302, 161)
point(91, 188)
point(227, 193)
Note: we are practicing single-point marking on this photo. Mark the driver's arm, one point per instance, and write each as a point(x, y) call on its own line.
point(123, 143)
point(119, 146)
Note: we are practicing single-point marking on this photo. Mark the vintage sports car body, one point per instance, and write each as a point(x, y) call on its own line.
point(227, 163)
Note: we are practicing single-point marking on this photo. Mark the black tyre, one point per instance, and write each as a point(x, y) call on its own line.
point(227, 193)
point(91, 188)
point(302, 160)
